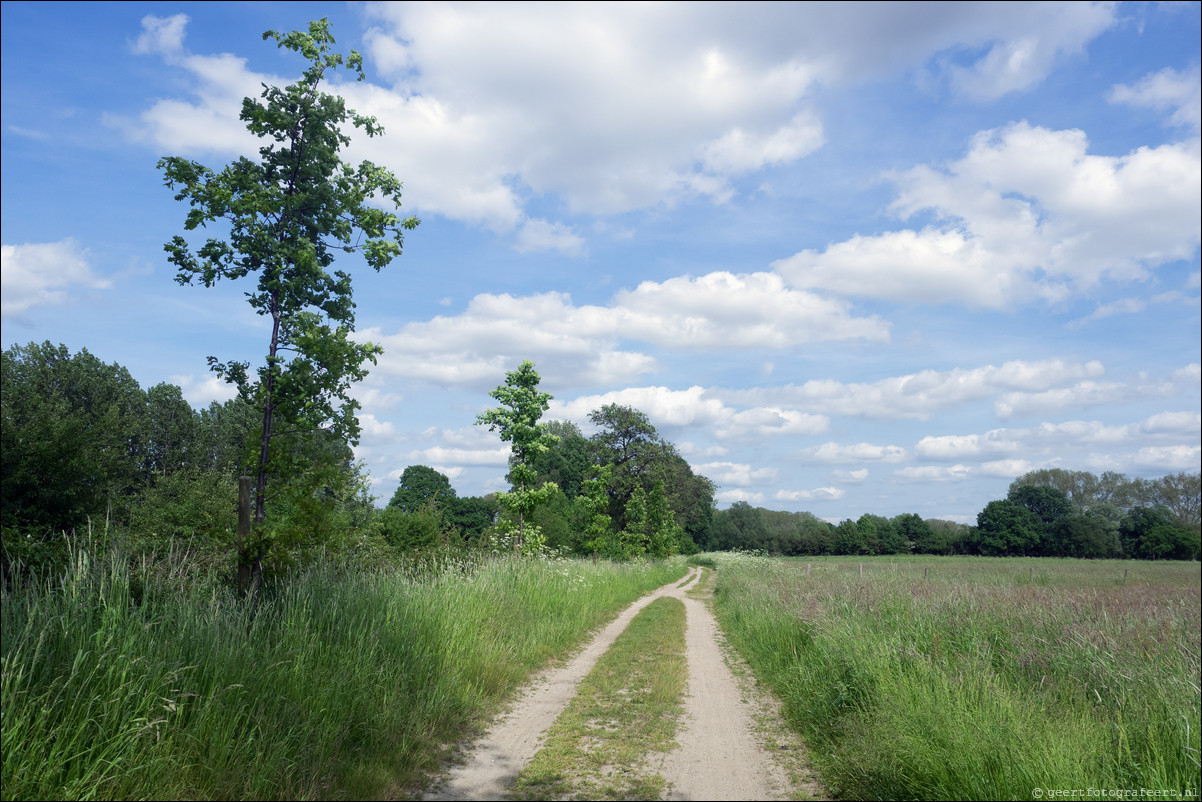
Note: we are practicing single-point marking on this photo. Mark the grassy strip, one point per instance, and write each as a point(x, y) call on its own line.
point(624, 710)
point(978, 679)
point(144, 682)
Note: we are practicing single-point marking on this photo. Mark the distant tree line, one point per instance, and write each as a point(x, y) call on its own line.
point(1046, 513)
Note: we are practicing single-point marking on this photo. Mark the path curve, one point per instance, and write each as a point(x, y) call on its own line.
point(718, 756)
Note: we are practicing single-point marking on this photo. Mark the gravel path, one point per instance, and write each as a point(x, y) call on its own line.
point(720, 755)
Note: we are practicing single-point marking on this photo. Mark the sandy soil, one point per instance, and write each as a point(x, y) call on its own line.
point(722, 750)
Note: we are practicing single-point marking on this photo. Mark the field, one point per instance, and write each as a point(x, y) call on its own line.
point(917, 678)
point(975, 678)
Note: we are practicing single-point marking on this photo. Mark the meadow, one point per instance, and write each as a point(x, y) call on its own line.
point(127, 679)
point(978, 678)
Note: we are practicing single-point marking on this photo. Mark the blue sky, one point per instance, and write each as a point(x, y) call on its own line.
point(849, 258)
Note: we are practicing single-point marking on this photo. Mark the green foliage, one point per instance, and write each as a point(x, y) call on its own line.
point(1007, 528)
point(71, 439)
point(421, 486)
point(414, 530)
point(288, 214)
point(592, 507)
point(185, 505)
point(522, 405)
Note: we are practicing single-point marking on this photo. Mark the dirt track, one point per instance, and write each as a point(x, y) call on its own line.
point(721, 752)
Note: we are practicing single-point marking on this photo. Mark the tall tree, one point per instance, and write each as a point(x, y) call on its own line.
point(522, 405)
point(288, 213)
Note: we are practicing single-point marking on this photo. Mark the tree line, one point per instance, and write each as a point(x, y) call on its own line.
point(85, 447)
point(1047, 513)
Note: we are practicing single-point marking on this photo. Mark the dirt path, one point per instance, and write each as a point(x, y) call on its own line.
point(721, 753)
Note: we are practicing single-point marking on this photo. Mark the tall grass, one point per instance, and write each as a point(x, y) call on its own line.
point(978, 679)
point(153, 681)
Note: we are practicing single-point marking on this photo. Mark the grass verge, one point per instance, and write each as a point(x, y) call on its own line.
point(129, 680)
point(623, 711)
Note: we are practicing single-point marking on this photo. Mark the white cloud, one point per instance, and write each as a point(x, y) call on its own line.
point(44, 274)
point(461, 456)
point(1022, 57)
point(856, 452)
point(817, 494)
point(1155, 441)
point(1028, 214)
point(540, 235)
point(739, 494)
point(726, 310)
point(922, 395)
point(850, 477)
point(1082, 394)
point(696, 407)
point(1166, 90)
point(202, 392)
point(691, 451)
point(162, 35)
point(578, 345)
point(632, 106)
point(1008, 468)
point(739, 474)
point(935, 473)
point(1170, 458)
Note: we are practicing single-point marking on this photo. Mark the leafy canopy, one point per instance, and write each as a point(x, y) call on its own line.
point(287, 214)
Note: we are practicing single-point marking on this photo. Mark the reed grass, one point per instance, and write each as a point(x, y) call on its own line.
point(149, 680)
point(978, 678)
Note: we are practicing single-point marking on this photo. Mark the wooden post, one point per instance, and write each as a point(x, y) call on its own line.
point(243, 533)
point(807, 569)
point(1125, 576)
point(861, 570)
point(925, 573)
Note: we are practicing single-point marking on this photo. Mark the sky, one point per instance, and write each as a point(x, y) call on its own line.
point(849, 258)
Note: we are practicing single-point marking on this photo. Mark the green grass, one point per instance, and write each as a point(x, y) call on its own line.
point(977, 678)
point(155, 682)
point(623, 711)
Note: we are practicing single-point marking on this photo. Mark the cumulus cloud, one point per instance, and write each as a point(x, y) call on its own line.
point(202, 392)
point(578, 345)
point(1027, 215)
point(854, 452)
point(632, 106)
point(739, 474)
point(1170, 458)
point(921, 395)
point(935, 473)
point(44, 274)
point(817, 494)
point(1020, 58)
point(695, 407)
point(1166, 440)
point(1175, 91)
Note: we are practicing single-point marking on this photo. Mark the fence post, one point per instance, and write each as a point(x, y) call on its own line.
point(243, 533)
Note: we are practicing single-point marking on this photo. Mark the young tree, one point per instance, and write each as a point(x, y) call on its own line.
point(288, 213)
point(522, 404)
